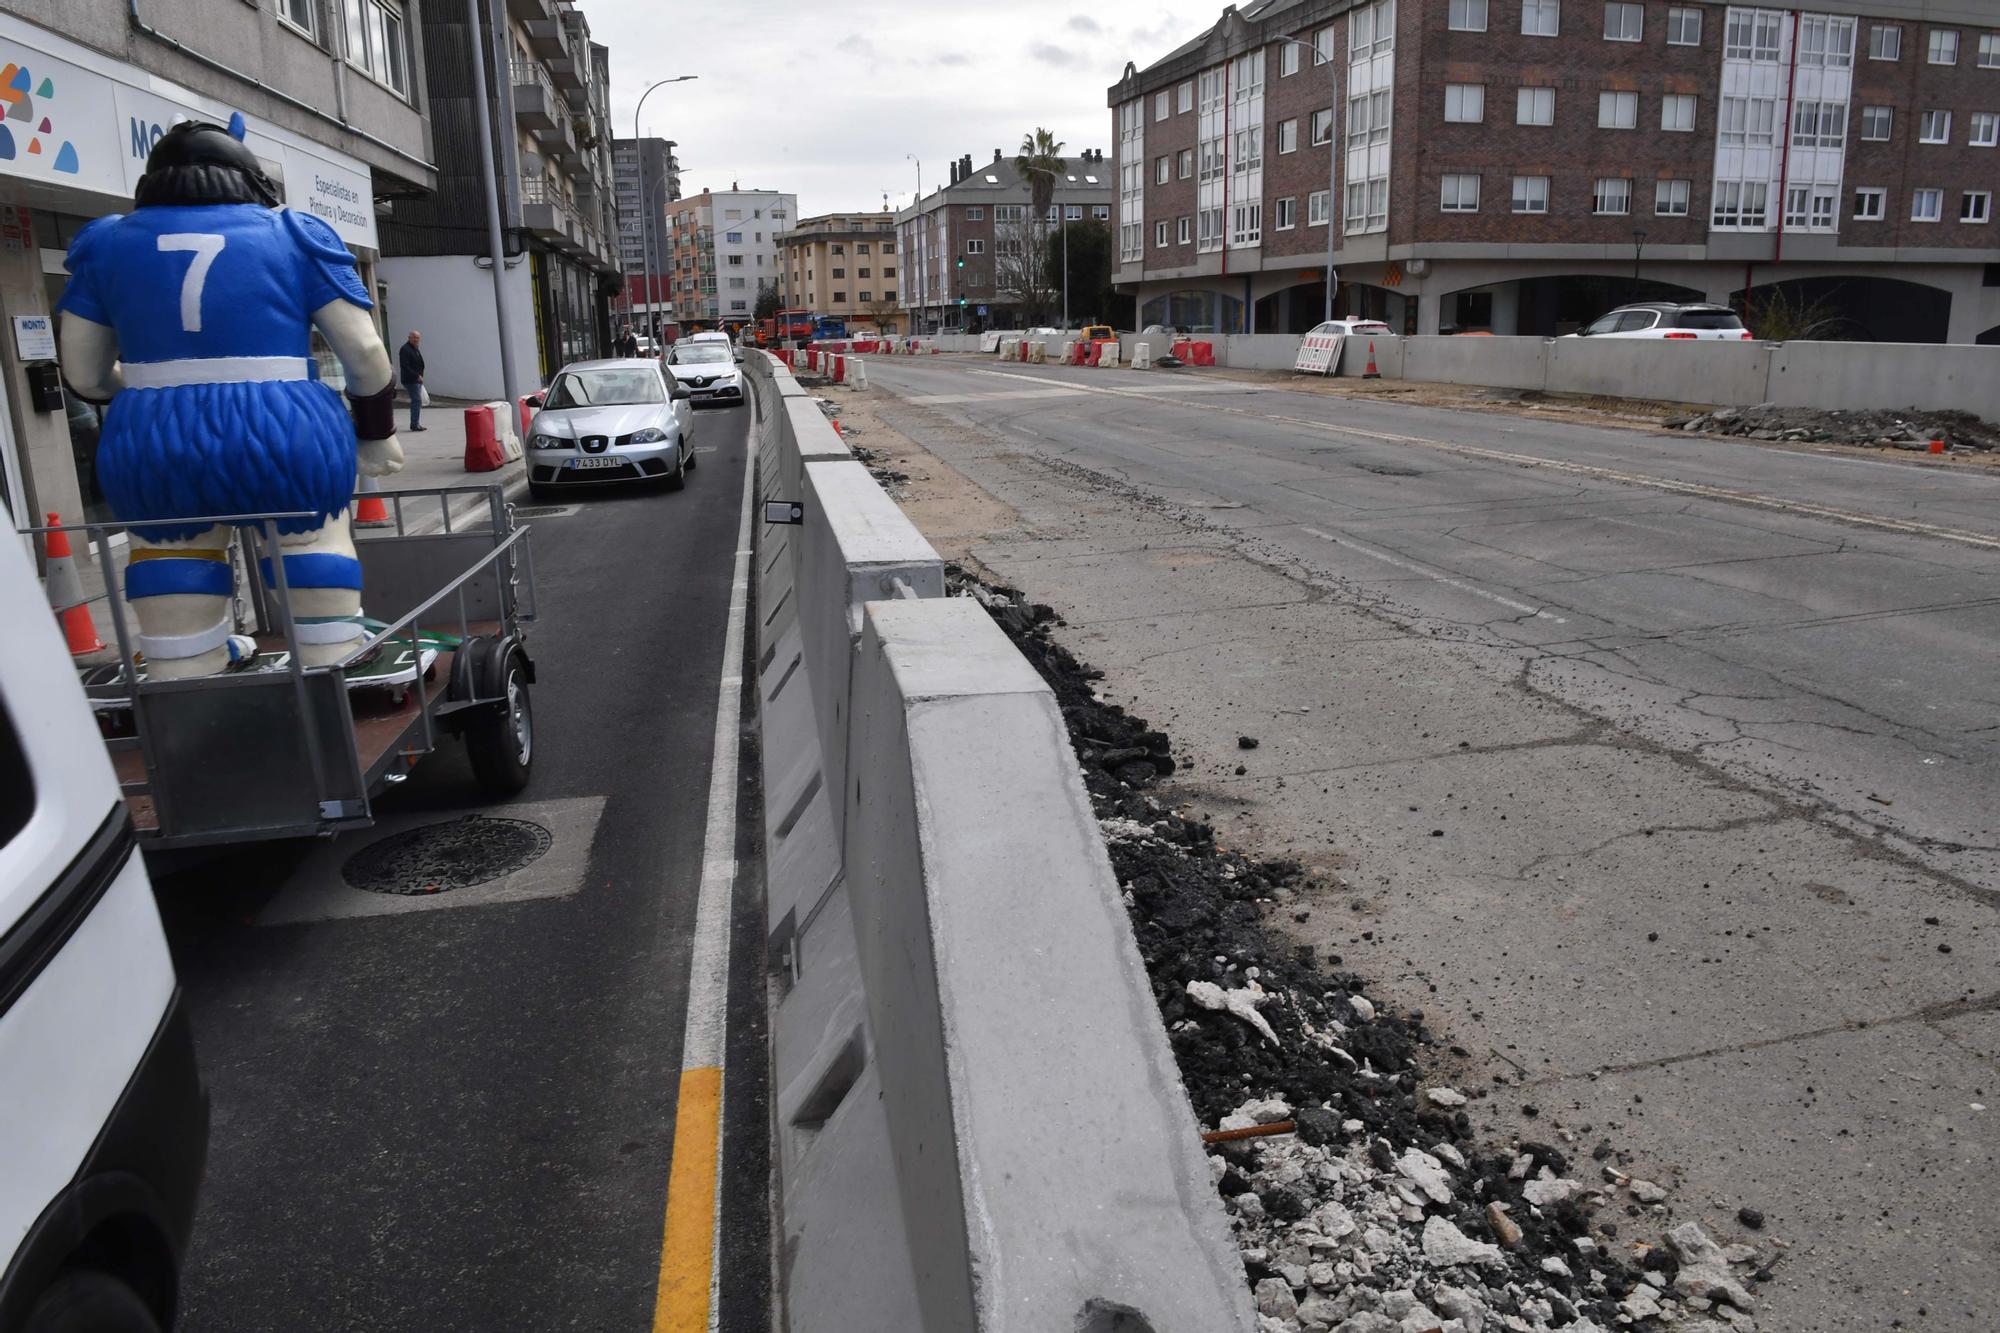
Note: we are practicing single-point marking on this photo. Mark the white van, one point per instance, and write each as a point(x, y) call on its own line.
point(103, 1120)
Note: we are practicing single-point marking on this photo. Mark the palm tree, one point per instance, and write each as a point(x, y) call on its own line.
point(1041, 161)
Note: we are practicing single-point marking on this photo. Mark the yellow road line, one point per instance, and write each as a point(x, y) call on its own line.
point(687, 1257)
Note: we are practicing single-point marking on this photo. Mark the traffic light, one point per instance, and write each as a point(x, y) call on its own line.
point(961, 261)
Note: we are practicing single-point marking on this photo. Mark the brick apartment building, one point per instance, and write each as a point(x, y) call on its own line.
point(844, 264)
point(1520, 166)
point(968, 219)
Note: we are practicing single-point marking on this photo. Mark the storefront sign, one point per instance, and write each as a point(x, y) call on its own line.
point(91, 129)
point(35, 337)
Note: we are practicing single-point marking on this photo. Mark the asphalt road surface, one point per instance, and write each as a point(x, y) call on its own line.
point(1659, 772)
point(458, 1112)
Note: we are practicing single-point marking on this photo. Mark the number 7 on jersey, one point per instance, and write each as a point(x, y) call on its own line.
point(205, 246)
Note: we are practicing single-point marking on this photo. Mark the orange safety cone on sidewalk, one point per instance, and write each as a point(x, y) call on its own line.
point(369, 511)
point(66, 596)
point(1371, 373)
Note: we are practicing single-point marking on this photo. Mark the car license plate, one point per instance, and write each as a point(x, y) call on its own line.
point(582, 464)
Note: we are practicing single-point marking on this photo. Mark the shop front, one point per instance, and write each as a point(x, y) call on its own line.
point(75, 128)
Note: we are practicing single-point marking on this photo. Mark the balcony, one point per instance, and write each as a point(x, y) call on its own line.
point(546, 38)
point(537, 105)
point(530, 11)
point(545, 212)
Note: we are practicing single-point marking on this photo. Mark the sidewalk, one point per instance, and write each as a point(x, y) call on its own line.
point(435, 458)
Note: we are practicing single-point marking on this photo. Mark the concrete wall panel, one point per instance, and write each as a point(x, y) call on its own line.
point(1510, 363)
point(1680, 372)
point(1886, 375)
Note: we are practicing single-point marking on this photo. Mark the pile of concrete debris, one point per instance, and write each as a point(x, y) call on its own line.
point(1911, 430)
point(1361, 1202)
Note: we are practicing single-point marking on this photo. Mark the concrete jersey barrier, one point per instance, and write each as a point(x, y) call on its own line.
point(939, 1057)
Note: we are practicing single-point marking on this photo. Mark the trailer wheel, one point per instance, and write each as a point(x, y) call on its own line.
point(85, 1300)
point(501, 744)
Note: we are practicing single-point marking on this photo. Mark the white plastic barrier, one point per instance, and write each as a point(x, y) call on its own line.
point(506, 428)
point(1107, 356)
point(1142, 356)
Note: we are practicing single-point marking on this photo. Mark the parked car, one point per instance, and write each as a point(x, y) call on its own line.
point(717, 338)
point(707, 371)
point(103, 1120)
point(1092, 333)
point(619, 420)
point(1664, 319)
point(1355, 328)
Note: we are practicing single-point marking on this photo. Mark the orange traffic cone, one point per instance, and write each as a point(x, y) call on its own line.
point(369, 511)
point(66, 596)
point(1371, 373)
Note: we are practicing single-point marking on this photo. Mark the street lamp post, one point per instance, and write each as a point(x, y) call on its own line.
point(1332, 157)
point(923, 250)
point(645, 208)
point(503, 324)
point(1055, 179)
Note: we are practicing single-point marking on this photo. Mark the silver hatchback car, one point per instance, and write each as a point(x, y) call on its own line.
point(601, 421)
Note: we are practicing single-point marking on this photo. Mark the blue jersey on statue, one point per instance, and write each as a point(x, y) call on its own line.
point(212, 306)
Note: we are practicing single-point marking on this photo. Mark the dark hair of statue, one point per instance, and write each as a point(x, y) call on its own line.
point(197, 163)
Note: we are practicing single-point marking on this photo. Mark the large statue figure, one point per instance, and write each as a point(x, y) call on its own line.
point(193, 315)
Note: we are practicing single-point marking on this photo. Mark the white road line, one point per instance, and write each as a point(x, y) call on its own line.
point(1434, 575)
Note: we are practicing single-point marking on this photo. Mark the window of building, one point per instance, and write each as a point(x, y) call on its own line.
point(862, 249)
point(1535, 106)
point(1985, 129)
point(864, 273)
point(1989, 50)
point(1246, 224)
point(1670, 198)
point(1877, 122)
point(1531, 194)
point(1752, 34)
point(1677, 112)
point(974, 246)
point(889, 295)
point(1161, 103)
point(1624, 21)
point(1934, 127)
point(864, 297)
point(1323, 45)
point(1683, 26)
point(1976, 206)
point(736, 260)
point(840, 298)
point(1288, 136)
point(1926, 205)
point(841, 272)
point(1460, 195)
point(888, 248)
point(840, 248)
point(1870, 203)
point(301, 14)
point(975, 214)
point(739, 305)
point(1741, 204)
point(735, 215)
point(1885, 42)
point(1322, 126)
point(1371, 29)
point(1944, 47)
point(1184, 163)
point(1750, 121)
point(1159, 235)
point(1465, 102)
point(1541, 18)
point(1184, 97)
point(1285, 214)
point(1617, 111)
point(1826, 41)
point(1819, 125)
point(1467, 16)
point(377, 41)
point(1611, 195)
point(1162, 169)
point(1102, 212)
point(1288, 60)
point(1367, 205)
point(1184, 231)
point(1317, 208)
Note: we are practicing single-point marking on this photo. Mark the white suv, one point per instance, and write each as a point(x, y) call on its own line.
point(103, 1121)
point(1663, 319)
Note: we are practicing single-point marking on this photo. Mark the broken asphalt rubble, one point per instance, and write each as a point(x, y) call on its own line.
point(1908, 430)
point(1381, 1213)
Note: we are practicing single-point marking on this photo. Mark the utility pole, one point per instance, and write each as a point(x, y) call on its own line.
point(923, 250)
point(503, 323)
point(645, 208)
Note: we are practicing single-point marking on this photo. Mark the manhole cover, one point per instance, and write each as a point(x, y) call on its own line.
point(438, 858)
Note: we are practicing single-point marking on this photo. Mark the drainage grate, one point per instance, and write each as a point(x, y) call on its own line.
point(543, 511)
point(438, 858)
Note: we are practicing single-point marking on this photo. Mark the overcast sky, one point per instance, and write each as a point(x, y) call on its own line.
point(824, 99)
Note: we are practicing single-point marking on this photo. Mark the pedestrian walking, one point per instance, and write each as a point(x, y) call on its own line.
point(410, 364)
point(628, 343)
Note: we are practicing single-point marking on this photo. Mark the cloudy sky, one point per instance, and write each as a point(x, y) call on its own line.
point(825, 99)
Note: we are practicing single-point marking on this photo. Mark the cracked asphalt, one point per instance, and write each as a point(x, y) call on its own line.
point(1660, 771)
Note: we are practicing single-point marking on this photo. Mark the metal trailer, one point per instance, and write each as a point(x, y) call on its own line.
point(286, 751)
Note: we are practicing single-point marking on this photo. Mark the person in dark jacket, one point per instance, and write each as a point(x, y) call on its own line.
point(628, 342)
point(410, 369)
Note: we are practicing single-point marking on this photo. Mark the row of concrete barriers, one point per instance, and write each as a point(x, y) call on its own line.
point(1854, 376)
point(978, 1120)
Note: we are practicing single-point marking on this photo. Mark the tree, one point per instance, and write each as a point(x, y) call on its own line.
point(1022, 267)
point(1040, 162)
point(768, 300)
point(883, 311)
